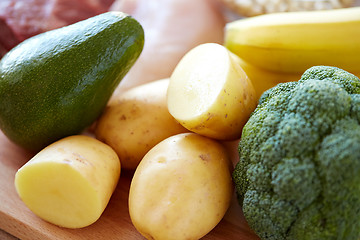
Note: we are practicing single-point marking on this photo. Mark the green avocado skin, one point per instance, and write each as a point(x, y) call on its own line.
point(58, 83)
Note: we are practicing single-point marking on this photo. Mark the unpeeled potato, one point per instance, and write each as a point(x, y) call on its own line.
point(181, 189)
point(137, 120)
point(210, 94)
point(70, 182)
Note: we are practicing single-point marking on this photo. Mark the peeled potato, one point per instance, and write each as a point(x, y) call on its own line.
point(181, 189)
point(70, 182)
point(210, 94)
point(136, 121)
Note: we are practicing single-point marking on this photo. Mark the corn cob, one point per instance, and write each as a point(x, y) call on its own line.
point(248, 8)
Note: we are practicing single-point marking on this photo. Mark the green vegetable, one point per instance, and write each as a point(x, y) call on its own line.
point(57, 83)
point(299, 171)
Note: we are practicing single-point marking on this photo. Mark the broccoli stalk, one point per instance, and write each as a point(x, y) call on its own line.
point(298, 176)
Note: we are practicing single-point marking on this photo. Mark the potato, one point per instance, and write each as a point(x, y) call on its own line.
point(210, 94)
point(181, 189)
point(136, 121)
point(69, 183)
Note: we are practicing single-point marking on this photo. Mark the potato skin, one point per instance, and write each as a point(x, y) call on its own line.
point(136, 121)
point(210, 94)
point(181, 189)
point(70, 182)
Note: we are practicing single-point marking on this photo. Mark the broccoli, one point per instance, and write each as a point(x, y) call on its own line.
point(298, 176)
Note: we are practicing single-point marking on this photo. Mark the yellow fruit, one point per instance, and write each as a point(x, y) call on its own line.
point(263, 79)
point(291, 42)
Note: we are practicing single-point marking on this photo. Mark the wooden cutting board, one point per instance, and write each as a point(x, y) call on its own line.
point(115, 223)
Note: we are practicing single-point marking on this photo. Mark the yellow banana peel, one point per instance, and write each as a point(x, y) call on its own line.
point(291, 42)
point(263, 79)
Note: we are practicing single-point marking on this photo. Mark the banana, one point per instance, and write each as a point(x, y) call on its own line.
point(291, 42)
point(263, 79)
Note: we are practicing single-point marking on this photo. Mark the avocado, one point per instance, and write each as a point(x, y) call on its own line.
point(57, 83)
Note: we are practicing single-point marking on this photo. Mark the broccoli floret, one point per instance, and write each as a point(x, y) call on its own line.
point(298, 176)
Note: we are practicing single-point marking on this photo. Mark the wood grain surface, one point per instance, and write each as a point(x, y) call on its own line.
point(115, 223)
